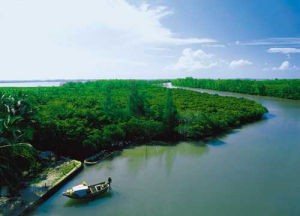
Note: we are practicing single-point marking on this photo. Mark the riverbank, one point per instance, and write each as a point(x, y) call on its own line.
point(40, 188)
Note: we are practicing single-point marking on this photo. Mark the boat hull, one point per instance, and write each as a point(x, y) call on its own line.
point(97, 158)
point(90, 192)
point(88, 196)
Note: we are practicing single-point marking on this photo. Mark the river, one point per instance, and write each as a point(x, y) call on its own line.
point(253, 170)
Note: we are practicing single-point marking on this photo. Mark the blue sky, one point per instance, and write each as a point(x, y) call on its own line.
point(104, 39)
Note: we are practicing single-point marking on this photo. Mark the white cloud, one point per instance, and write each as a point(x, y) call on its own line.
point(214, 45)
point(285, 65)
point(284, 50)
point(122, 61)
point(191, 60)
point(159, 49)
point(76, 39)
point(271, 41)
point(239, 63)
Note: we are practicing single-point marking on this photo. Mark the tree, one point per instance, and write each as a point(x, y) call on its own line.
point(170, 113)
point(107, 102)
point(136, 102)
point(15, 155)
point(262, 90)
point(113, 134)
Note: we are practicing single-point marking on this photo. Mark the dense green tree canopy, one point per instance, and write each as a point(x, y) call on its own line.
point(277, 88)
point(79, 119)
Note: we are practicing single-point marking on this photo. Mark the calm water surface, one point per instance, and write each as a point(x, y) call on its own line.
point(254, 170)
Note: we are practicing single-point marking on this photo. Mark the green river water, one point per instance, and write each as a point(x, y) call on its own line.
point(253, 170)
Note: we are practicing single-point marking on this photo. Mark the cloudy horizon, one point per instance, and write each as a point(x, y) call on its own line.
point(133, 39)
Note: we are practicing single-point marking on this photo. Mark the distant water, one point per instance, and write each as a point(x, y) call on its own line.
point(30, 84)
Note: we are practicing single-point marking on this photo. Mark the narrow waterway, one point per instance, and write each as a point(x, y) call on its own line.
point(253, 170)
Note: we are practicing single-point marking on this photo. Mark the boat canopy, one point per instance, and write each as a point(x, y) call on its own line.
point(80, 190)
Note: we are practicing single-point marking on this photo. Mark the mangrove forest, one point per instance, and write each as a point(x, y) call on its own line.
point(80, 119)
point(282, 88)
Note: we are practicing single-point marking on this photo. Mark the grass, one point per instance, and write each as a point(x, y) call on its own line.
point(57, 171)
point(65, 169)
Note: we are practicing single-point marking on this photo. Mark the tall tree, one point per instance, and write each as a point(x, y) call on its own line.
point(136, 102)
point(15, 155)
point(170, 113)
point(107, 102)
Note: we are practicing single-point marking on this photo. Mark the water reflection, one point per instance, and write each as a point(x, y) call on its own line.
point(84, 202)
point(214, 141)
point(268, 116)
point(136, 158)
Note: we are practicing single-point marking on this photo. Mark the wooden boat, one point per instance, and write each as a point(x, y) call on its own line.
point(97, 158)
point(83, 191)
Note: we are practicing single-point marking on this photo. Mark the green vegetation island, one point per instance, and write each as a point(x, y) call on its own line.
point(80, 119)
point(282, 88)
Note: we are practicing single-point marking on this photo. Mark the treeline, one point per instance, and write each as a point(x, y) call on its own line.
point(80, 119)
point(283, 88)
